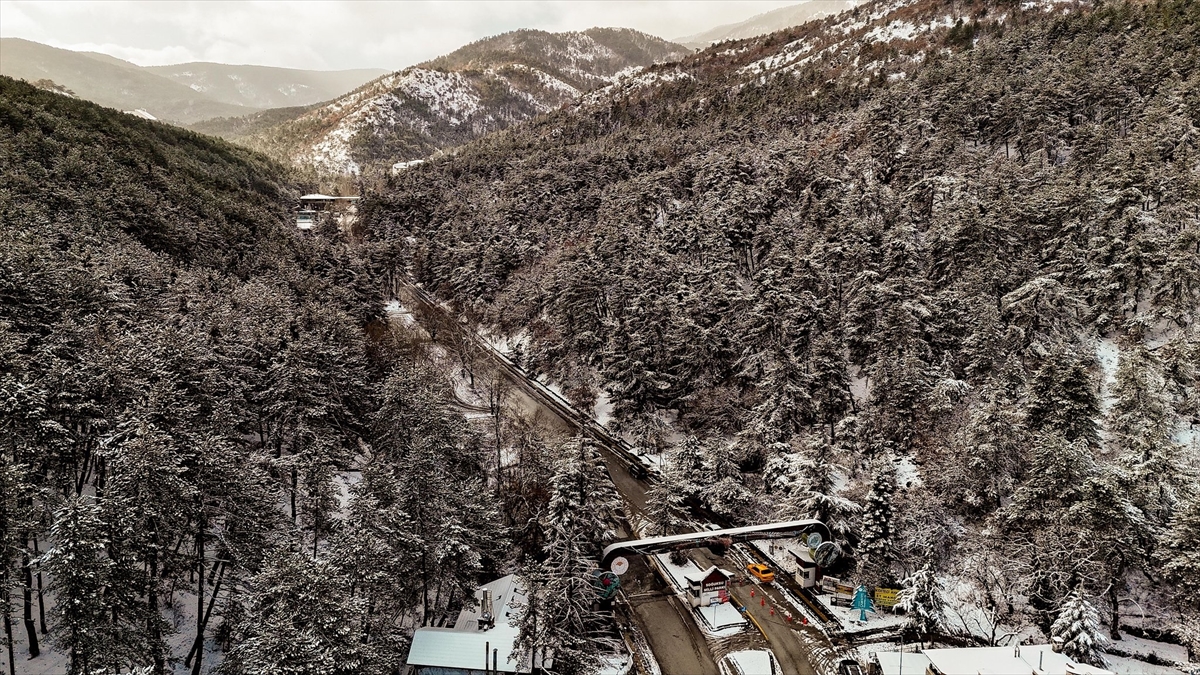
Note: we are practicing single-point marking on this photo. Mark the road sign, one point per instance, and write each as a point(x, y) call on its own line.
point(887, 597)
point(620, 566)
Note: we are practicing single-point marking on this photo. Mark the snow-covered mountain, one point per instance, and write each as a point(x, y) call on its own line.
point(857, 48)
point(482, 87)
point(767, 22)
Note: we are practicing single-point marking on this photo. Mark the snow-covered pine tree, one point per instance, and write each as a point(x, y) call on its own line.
point(688, 462)
point(80, 572)
point(814, 492)
point(1078, 626)
point(726, 494)
point(993, 452)
point(877, 516)
point(1179, 552)
point(921, 598)
point(1063, 398)
point(1139, 426)
point(666, 506)
point(300, 618)
point(561, 616)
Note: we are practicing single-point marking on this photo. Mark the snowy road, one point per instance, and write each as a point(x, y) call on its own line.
point(677, 642)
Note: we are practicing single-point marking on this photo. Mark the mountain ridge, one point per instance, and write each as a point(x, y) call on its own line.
point(181, 93)
point(481, 87)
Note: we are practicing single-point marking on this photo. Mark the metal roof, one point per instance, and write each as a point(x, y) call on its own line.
point(450, 648)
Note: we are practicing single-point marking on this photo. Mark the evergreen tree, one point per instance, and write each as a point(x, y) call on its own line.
point(561, 616)
point(923, 602)
point(1139, 426)
point(1078, 626)
point(80, 573)
point(814, 493)
point(877, 517)
point(1179, 552)
point(299, 618)
point(1064, 399)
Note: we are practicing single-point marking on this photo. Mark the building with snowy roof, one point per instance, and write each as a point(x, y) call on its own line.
point(482, 640)
point(315, 208)
point(1016, 660)
point(708, 587)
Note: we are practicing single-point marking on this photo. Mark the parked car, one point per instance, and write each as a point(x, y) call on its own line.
point(761, 572)
point(750, 662)
point(849, 667)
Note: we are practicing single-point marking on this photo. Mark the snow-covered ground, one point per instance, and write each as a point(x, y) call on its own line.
point(721, 619)
point(881, 619)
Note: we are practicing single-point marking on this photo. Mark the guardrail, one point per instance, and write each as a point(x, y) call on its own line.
point(530, 385)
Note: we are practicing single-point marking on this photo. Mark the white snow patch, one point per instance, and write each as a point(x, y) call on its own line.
point(907, 473)
point(1108, 356)
point(140, 113)
point(897, 29)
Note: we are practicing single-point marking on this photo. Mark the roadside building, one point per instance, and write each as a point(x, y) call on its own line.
point(806, 573)
point(708, 587)
point(316, 208)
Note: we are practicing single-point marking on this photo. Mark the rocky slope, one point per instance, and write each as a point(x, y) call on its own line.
point(483, 87)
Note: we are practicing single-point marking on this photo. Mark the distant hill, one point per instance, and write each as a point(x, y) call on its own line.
point(264, 86)
point(768, 22)
point(111, 82)
point(183, 93)
point(482, 87)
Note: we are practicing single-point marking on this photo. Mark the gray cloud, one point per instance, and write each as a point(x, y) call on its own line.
point(335, 35)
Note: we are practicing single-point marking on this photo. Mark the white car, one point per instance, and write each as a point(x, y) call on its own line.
point(750, 662)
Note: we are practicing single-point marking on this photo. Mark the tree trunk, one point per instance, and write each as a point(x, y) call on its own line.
point(153, 618)
point(295, 486)
point(27, 592)
point(41, 594)
point(199, 595)
point(1114, 623)
point(198, 644)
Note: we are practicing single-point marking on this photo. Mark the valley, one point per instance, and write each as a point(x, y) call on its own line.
point(362, 371)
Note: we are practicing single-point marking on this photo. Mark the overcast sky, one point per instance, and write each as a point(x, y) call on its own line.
point(336, 35)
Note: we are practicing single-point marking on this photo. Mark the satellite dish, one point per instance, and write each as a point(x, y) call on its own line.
point(620, 566)
point(827, 554)
point(814, 539)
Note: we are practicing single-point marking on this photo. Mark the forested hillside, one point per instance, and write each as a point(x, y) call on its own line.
point(928, 271)
point(202, 420)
